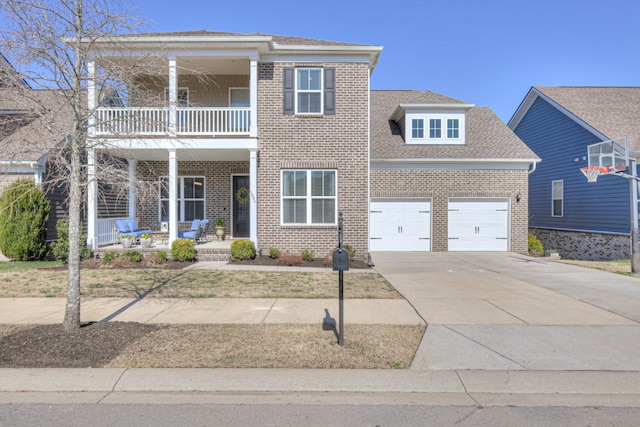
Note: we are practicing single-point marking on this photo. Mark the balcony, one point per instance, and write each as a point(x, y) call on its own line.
point(189, 121)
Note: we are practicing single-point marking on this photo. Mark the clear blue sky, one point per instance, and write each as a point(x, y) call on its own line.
point(485, 52)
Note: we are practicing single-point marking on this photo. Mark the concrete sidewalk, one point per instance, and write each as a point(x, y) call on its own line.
point(504, 329)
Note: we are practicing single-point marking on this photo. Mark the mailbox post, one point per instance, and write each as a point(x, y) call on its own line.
point(340, 262)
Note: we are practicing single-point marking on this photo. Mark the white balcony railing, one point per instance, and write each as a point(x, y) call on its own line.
point(129, 122)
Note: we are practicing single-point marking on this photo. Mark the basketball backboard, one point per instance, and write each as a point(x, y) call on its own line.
point(611, 156)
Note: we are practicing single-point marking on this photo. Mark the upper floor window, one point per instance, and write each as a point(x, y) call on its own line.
point(557, 197)
point(309, 90)
point(309, 197)
point(435, 128)
point(417, 128)
point(183, 96)
point(453, 128)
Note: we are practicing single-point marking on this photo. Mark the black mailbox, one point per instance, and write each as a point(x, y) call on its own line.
point(340, 260)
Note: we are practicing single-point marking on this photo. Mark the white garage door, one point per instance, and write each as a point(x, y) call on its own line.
point(400, 225)
point(478, 225)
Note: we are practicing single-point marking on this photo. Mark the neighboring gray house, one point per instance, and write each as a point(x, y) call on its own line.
point(580, 220)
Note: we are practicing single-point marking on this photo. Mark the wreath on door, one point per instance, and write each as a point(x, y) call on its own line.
point(242, 195)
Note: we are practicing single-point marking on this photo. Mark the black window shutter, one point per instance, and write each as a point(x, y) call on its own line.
point(288, 91)
point(329, 91)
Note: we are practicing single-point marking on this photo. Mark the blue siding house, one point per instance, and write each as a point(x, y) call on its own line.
point(578, 219)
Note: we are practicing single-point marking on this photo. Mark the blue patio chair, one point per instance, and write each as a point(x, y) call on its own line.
point(192, 233)
point(129, 226)
point(204, 228)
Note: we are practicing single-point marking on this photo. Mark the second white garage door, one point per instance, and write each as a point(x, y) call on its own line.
point(400, 225)
point(478, 224)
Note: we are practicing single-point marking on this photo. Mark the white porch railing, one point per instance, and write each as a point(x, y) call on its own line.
point(106, 228)
point(112, 121)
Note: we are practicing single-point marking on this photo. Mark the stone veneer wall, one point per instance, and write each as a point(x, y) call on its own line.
point(584, 246)
point(337, 141)
point(440, 185)
point(217, 189)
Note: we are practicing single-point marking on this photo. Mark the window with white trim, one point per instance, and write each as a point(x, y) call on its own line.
point(309, 197)
point(417, 128)
point(435, 128)
point(453, 128)
point(557, 198)
point(191, 198)
point(309, 90)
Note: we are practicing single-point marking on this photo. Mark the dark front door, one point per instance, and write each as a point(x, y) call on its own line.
point(241, 199)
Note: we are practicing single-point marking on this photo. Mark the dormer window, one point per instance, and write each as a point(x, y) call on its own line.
point(435, 129)
point(453, 128)
point(417, 128)
point(432, 124)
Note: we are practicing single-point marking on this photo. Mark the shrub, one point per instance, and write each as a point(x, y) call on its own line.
point(308, 255)
point(274, 253)
point(91, 263)
point(24, 212)
point(242, 250)
point(350, 250)
point(61, 247)
point(153, 260)
point(535, 246)
point(121, 262)
point(289, 259)
point(133, 256)
point(109, 256)
point(183, 250)
point(162, 255)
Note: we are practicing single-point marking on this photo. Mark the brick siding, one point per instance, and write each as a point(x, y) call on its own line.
point(440, 185)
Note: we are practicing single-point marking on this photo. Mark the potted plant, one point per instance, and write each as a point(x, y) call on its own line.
point(146, 240)
point(219, 229)
point(127, 240)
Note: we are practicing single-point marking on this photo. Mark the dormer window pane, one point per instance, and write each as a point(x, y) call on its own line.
point(453, 128)
point(435, 128)
point(417, 128)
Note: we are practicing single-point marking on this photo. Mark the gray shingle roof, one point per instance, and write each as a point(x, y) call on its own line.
point(612, 111)
point(43, 125)
point(487, 137)
point(283, 40)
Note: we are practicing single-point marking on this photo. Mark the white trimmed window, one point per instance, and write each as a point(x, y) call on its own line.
point(435, 128)
point(191, 198)
point(309, 90)
point(557, 198)
point(309, 197)
point(417, 128)
point(453, 128)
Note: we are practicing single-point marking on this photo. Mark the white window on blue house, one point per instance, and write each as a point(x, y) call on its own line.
point(191, 198)
point(417, 128)
point(557, 197)
point(309, 197)
point(453, 128)
point(435, 128)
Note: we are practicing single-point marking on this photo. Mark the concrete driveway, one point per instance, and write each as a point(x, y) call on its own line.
point(505, 311)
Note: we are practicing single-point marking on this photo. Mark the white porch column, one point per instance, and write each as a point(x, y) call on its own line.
point(253, 200)
point(132, 181)
point(92, 185)
point(173, 196)
point(253, 98)
point(92, 200)
point(173, 95)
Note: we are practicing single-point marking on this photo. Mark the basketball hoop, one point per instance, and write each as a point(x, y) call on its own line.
point(592, 172)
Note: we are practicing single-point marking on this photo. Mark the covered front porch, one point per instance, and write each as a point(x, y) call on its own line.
point(186, 183)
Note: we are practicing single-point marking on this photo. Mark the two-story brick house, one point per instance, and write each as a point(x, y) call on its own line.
point(269, 133)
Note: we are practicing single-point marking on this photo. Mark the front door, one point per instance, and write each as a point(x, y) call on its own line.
point(241, 198)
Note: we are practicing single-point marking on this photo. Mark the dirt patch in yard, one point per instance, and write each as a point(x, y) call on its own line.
point(135, 345)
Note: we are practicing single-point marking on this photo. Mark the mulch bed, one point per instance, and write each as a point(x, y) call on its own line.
point(277, 262)
point(49, 346)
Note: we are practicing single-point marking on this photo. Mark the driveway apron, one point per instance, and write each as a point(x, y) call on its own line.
point(506, 311)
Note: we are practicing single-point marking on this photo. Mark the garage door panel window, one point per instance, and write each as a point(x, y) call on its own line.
point(309, 197)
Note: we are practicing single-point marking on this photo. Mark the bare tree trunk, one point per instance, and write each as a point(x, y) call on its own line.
point(72, 312)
